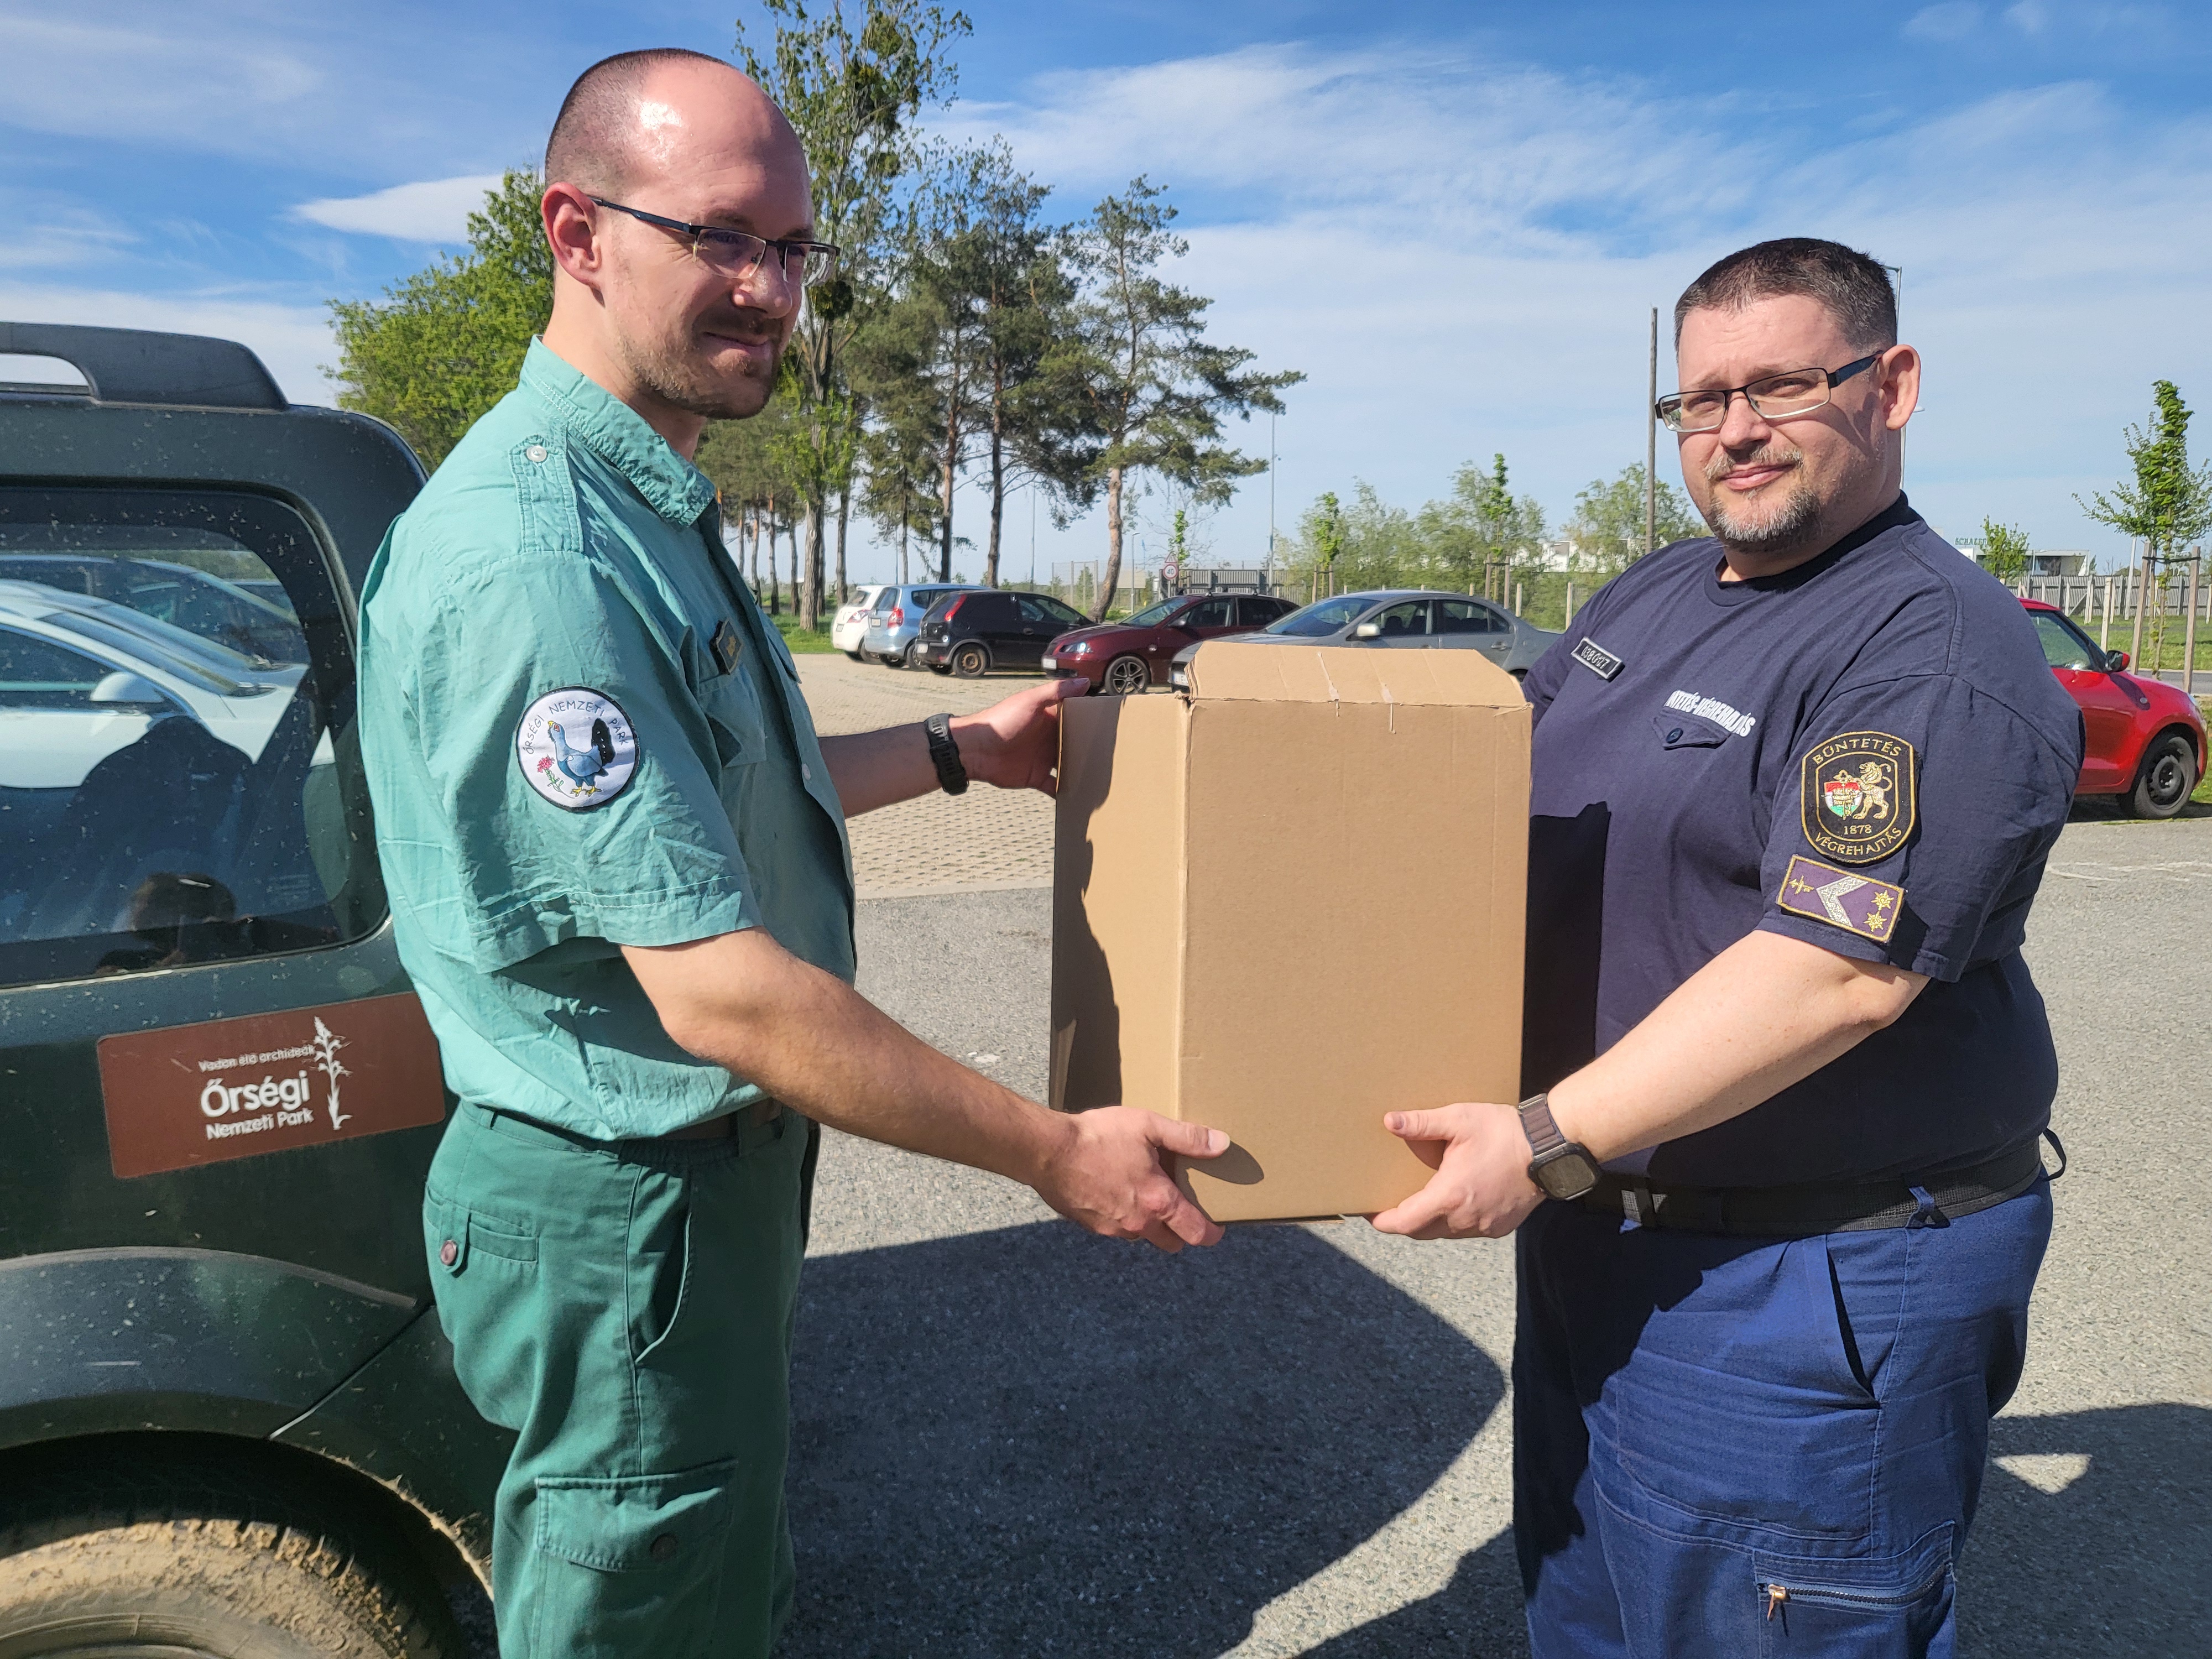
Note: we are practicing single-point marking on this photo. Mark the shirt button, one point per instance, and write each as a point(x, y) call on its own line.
point(536, 452)
point(664, 1547)
point(805, 773)
point(449, 1253)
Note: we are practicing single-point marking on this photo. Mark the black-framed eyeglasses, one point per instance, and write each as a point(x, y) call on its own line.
point(1796, 391)
point(738, 253)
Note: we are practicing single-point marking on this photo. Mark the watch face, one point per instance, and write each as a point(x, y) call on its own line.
point(1568, 1176)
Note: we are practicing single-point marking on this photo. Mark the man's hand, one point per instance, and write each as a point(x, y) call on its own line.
point(1106, 1175)
point(1015, 742)
point(1481, 1187)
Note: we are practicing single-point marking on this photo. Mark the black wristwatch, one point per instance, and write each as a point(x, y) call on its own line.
point(1561, 1167)
point(944, 754)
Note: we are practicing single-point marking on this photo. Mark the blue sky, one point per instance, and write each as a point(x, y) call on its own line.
point(1454, 218)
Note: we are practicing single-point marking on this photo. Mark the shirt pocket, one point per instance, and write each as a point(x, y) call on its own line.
point(734, 714)
point(1686, 731)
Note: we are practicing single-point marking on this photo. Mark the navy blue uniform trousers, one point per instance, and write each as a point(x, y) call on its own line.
point(1731, 1447)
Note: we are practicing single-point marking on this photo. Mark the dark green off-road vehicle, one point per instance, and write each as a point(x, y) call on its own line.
point(229, 1420)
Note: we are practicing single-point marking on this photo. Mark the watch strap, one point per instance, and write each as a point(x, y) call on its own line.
point(1536, 1123)
point(944, 754)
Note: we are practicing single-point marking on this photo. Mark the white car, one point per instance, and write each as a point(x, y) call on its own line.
point(81, 678)
point(850, 625)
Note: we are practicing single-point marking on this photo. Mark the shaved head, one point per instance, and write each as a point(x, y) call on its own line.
point(603, 136)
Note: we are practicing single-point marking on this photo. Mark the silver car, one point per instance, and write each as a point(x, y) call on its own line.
point(894, 633)
point(1404, 619)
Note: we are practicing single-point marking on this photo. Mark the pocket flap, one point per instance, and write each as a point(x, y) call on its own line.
point(1686, 731)
point(629, 1523)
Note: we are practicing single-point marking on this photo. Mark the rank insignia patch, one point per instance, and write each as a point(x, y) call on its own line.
point(1596, 658)
point(1867, 907)
point(1859, 797)
point(727, 646)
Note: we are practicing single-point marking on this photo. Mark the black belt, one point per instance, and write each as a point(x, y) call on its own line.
point(1808, 1211)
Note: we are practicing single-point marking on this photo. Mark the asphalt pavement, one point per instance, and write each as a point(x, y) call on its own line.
point(1013, 1439)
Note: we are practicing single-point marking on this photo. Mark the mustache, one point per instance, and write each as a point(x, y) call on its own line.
point(1723, 462)
point(751, 325)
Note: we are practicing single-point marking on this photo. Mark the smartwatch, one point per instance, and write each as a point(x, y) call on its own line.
point(944, 754)
point(1563, 1168)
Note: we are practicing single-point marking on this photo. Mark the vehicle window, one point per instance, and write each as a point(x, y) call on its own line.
point(1056, 611)
point(219, 813)
point(2063, 647)
point(924, 598)
point(1154, 614)
point(1407, 617)
point(1213, 613)
point(36, 673)
point(1323, 617)
point(1469, 617)
point(987, 610)
point(1256, 610)
point(885, 600)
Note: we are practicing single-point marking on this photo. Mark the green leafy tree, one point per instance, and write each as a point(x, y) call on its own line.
point(1478, 533)
point(852, 85)
point(2004, 552)
point(1607, 530)
point(747, 461)
point(1154, 388)
point(444, 345)
point(2167, 503)
point(1328, 534)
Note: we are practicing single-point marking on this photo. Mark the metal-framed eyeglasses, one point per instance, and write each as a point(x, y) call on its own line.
point(738, 253)
point(1795, 392)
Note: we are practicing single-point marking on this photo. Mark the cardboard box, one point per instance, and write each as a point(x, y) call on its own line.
point(1289, 901)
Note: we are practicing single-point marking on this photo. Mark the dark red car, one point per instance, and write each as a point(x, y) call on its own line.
point(1130, 656)
point(2146, 740)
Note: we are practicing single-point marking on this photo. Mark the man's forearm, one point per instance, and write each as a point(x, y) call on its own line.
point(870, 769)
point(808, 1038)
point(1768, 1012)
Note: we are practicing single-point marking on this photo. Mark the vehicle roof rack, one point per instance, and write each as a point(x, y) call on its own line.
point(139, 366)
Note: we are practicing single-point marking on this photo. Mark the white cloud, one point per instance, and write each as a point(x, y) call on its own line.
point(292, 341)
point(433, 210)
point(1952, 20)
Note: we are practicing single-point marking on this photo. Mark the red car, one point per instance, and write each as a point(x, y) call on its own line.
point(2146, 740)
point(1123, 657)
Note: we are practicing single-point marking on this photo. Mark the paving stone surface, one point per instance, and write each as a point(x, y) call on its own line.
point(984, 840)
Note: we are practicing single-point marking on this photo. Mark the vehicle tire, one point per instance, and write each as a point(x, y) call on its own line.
point(857, 656)
point(971, 662)
point(913, 657)
point(2165, 780)
point(1125, 677)
point(127, 1556)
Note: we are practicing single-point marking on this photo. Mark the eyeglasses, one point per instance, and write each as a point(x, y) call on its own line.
point(736, 254)
point(1798, 391)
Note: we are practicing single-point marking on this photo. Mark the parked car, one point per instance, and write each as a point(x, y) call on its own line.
point(76, 685)
point(2145, 740)
point(1133, 655)
point(198, 601)
point(971, 634)
point(1402, 619)
point(849, 629)
point(893, 632)
point(228, 1418)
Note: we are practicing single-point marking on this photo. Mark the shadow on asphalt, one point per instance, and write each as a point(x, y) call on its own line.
point(1031, 1441)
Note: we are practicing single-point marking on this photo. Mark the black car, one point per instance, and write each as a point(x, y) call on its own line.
point(971, 634)
point(228, 1418)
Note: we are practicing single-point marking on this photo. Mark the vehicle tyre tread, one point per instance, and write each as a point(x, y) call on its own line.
point(102, 1552)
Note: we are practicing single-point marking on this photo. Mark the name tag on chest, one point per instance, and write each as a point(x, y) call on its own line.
point(1596, 658)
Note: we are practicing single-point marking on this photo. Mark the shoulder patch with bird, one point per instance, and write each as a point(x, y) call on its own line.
point(576, 748)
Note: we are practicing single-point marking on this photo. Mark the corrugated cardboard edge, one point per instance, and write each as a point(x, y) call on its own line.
point(1228, 671)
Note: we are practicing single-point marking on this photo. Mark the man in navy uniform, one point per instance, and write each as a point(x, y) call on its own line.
point(1794, 789)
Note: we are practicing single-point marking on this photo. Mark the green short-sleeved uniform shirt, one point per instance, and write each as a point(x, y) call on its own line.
point(579, 733)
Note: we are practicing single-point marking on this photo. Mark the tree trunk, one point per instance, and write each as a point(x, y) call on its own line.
point(948, 469)
point(775, 585)
point(1113, 577)
point(997, 474)
point(810, 592)
point(844, 507)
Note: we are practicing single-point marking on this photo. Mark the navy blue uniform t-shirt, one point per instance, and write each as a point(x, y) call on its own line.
point(1867, 753)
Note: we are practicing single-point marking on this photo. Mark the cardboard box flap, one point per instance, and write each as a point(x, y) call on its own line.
point(1226, 671)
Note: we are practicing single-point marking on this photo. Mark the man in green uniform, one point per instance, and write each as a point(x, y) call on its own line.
point(620, 879)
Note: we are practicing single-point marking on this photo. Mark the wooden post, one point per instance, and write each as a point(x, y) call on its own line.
point(1570, 622)
point(1520, 597)
point(2142, 596)
point(2104, 617)
point(2189, 629)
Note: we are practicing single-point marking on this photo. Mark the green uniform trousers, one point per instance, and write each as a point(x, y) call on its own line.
point(626, 1308)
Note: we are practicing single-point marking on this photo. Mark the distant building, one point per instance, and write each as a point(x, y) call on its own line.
point(2040, 562)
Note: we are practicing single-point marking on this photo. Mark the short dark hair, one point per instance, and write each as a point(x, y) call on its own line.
point(1853, 286)
point(591, 136)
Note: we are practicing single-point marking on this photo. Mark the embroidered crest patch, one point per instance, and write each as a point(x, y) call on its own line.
point(576, 748)
point(726, 646)
point(1859, 797)
point(1867, 907)
point(1596, 658)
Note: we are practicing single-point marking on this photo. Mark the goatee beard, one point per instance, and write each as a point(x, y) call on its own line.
point(1780, 530)
point(678, 382)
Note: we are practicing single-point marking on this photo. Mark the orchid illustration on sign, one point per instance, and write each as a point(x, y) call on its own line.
point(327, 1044)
